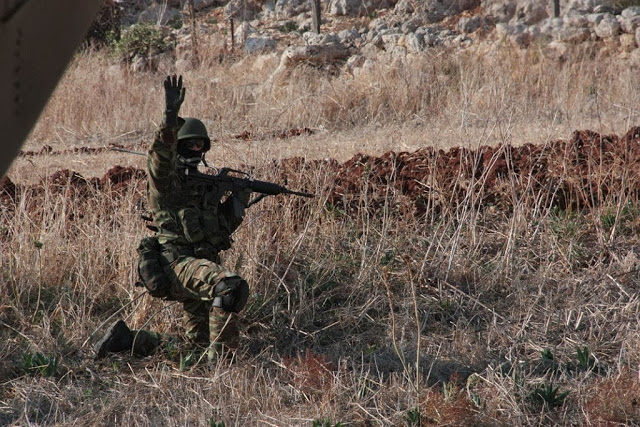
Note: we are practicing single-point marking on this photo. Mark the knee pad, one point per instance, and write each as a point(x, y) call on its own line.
point(231, 294)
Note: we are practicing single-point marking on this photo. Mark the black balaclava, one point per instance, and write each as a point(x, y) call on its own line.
point(189, 158)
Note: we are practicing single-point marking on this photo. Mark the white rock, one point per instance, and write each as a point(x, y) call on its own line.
point(630, 12)
point(259, 45)
point(414, 42)
point(468, 25)
point(157, 14)
point(608, 27)
point(630, 19)
point(583, 6)
point(404, 7)
point(390, 41)
point(290, 8)
point(357, 7)
point(312, 38)
point(572, 35)
point(531, 12)
point(575, 19)
point(242, 10)
point(595, 18)
point(550, 26)
point(347, 36)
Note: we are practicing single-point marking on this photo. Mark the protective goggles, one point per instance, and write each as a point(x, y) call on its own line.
point(193, 144)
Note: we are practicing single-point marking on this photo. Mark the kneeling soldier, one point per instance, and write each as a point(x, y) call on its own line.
point(193, 223)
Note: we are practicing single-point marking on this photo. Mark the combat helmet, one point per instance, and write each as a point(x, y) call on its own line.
point(194, 128)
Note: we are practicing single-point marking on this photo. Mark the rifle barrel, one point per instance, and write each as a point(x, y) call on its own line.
point(301, 193)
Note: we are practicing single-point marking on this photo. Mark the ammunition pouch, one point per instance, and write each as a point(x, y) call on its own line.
point(206, 250)
point(231, 294)
point(151, 268)
point(171, 252)
point(191, 227)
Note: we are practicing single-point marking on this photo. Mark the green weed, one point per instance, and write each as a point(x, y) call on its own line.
point(586, 362)
point(627, 213)
point(38, 363)
point(548, 359)
point(412, 418)
point(564, 223)
point(548, 394)
point(288, 27)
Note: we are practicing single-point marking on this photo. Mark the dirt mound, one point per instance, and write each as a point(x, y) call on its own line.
point(579, 173)
point(83, 193)
point(582, 172)
point(118, 177)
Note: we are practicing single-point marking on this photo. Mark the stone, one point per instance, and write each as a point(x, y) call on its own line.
point(255, 45)
point(531, 12)
point(242, 10)
point(572, 35)
point(291, 8)
point(414, 42)
point(501, 12)
point(468, 25)
point(630, 19)
point(357, 7)
point(608, 27)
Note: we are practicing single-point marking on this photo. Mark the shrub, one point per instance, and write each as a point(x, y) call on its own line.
point(138, 40)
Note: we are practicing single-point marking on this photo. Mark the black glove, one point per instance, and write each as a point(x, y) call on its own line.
point(173, 95)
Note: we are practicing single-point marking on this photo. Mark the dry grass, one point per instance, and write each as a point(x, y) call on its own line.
point(444, 99)
point(369, 319)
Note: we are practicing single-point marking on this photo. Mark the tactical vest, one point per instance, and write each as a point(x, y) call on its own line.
point(190, 214)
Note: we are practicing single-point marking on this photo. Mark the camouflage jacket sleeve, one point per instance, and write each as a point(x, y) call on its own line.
point(161, 161)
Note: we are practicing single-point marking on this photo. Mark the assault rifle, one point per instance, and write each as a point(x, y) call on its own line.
point(222, 182)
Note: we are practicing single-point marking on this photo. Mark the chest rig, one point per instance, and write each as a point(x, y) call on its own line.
point(190, 214)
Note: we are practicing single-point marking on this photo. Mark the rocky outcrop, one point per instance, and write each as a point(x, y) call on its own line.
point(367, 28)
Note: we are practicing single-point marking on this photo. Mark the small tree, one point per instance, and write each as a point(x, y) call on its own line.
point(194, 33)
point(316, 14)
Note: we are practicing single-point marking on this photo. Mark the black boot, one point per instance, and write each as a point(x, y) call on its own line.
point(118, 338)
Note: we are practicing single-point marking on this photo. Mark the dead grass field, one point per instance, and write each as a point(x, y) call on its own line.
point(522, 313)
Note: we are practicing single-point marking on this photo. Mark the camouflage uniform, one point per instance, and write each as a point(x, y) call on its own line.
point(193, 223)
point(192, 227)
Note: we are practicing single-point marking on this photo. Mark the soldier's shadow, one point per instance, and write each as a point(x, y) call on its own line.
point(380, 362)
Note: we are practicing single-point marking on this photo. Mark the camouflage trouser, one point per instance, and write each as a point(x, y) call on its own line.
point(193, 284)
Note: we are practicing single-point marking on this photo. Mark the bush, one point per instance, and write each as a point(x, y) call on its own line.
point(138, 40)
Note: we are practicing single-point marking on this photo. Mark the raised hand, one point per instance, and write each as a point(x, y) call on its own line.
point(174, 96)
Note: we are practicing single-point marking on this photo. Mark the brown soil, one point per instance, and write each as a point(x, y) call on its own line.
point(579, 173)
